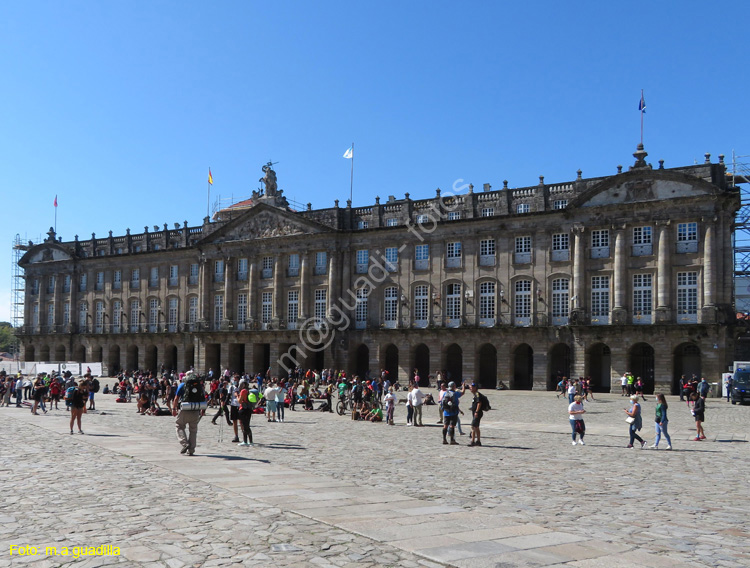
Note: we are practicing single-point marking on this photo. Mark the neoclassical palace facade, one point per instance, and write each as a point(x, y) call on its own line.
point(596, 276)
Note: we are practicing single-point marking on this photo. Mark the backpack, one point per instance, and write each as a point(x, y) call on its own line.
point(193, 397)
point(448, 403)
point(95, 385)
point(485, 402)
point(704, 388)
point(69, 393)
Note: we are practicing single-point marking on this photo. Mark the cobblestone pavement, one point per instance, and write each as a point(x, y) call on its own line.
point(321, 490)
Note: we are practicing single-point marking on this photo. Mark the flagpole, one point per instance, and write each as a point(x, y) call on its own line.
point(208, 194)
point(55, 213)
point(351, 181)
point(642, 117)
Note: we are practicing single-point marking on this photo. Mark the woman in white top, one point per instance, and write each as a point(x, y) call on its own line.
point(390, 405)
point(577, 425)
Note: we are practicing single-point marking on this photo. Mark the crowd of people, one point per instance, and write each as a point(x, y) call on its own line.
point(235, 398)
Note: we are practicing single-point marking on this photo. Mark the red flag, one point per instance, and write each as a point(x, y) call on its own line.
point(55, 200)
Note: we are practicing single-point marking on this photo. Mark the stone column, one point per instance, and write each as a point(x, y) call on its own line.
point(579, 284)
point(708, 272)
point(663, 264)
point(619, 365)
point(619, 312)
point(229, 311)
point(278, 302)
point(204, 290)
point(405, 363)
point(578, 367)
point(304, 284)
point(250, 358)
point(539, 372)
point(181, 362)
point(333, 276)
point(252, 290)
point(504, 361)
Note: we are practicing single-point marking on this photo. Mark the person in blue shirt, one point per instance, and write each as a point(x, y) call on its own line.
point(449, 404)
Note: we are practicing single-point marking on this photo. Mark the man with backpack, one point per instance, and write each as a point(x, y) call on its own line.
point(189, 406)
point(93, 389)
point(478, 406)
point(450, 412)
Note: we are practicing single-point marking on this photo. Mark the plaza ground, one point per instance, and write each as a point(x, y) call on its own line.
point(321, 490)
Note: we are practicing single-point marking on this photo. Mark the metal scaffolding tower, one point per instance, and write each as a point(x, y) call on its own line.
point(739, 177)
point(18, 287)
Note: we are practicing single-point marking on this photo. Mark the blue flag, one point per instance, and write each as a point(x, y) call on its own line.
point(642, 104)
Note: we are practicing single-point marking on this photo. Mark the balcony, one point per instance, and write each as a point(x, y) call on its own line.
point(320, 269)
point(362, 269)
point(422, 264)
point(453, 322)
point(174, 281)
point(421, 324)
point(487, 260)
point(599, 252)
point(560, 255)
point(193, 280)
point(453, 262)
point(522, 258)
point(135, 284)
point(292, 271)
point(266, 273)
point(218, 277)
point(685, 317)
point(687, 246)
point(560, 320)
point(522, 321)
point(117, 285)
point(487, 322)
point(360, 324)
point(643, 250)
point(642, 318)
point(242, 276)
point(600, 320)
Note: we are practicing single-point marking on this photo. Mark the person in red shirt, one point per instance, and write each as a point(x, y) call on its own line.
point(54, 392)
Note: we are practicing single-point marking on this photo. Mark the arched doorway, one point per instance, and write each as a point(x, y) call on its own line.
point(487, 366)
point(362, 360)
point(79, 354)
point(641, 361)
point(559, 364)
point(152, 354)
point(96, 354)
point(687, 361)
point(44, 353)
point(390, 361)
point(60, 353)
point(170, 357)
point(454, 363)
point(113, 361)
point(189, 358)
point(131, 362)
point(523, 367)
point(599, 367)
point(29, 353)
point(421, 362)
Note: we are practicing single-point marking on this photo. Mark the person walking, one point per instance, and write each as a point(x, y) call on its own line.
point(246, 413)
point(442, 386)
point(417, 401)
point(478, 405)
point(699, 413)
point(661, 421)
point(221, 395)
point(577, 425)
point(571, 391)
point(635, 421)
point(78, 397)
point(189, 406)
point(450, 413)
point(683, 380)
point(410, 406)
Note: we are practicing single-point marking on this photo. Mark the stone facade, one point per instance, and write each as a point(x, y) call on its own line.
point(591, 277)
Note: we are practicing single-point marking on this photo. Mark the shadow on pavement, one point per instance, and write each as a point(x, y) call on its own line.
point(231, 458)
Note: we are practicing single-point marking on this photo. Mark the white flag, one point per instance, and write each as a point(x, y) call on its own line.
point(349, 154)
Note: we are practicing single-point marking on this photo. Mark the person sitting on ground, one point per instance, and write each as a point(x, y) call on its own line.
point(374, 415)
point(144, 401)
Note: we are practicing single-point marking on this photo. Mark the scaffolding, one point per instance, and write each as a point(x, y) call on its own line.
point(738, 177)
point(18, 289)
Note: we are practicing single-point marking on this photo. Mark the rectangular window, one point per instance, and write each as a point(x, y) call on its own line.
point(600, 243)
point(560, 301)
point(421, 257)
point(560, 247)
point(83, 309)
point(522, 303)
point(453, 304)
point(241, 311)
point(35, 317)
point(99, 317)
point(174, 275)
point(422, 219)
point(135, 315)
point(320, 305)
point(219, 271)
point(421, 305)
point(241, 269)
point(600, 300)
point(99, 284)
point(172, 315)
point(363, 225)
point(135, 278)
point(391, 259)
point(523, 208)
point(642, 298)
point(116, 316)
point(560, 204)
point(66, 283)
point(81, 284)
point(522, 254)
point(487, 252)
point(292, 309)
point(321, 262)
point(51, 284)
point(153, 315)
point(218, 310)
point(193, 310)
point(266, 308)
point(360, 309)
point(391, 222)
point(34, 287)
point(267, 267)
point(488, 212)
point(642, 243)
point(487, 303)
point(390, 307)
point(363, 259)
point(453, 255)
point(293, 265)
point(153, 277)
point(454, 215)
point(117, 280)
point(194, 272)
point(687, 237)
point(687, 297)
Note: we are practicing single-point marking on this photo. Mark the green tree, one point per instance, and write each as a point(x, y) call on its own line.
point(7, 336)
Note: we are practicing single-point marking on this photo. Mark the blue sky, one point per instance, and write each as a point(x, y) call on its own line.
point(119, 108)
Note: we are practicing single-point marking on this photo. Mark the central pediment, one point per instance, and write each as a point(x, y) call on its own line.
point(265, 222)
